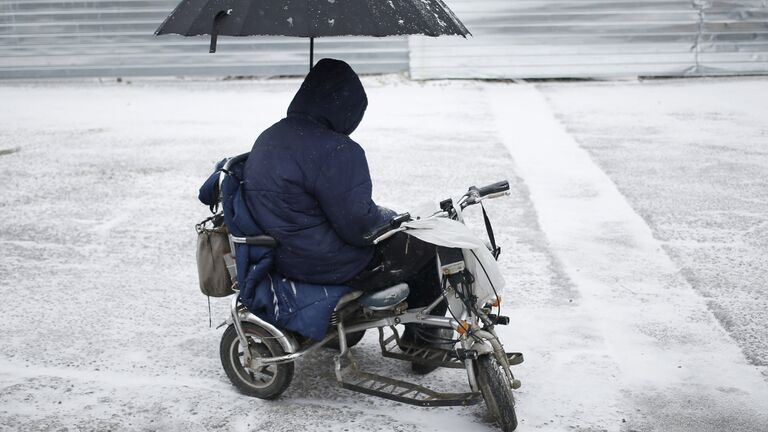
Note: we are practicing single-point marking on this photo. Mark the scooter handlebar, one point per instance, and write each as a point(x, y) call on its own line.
point(491, 189)
point(474, 195)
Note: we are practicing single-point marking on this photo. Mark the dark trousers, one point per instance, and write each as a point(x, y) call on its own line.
point(404, 258)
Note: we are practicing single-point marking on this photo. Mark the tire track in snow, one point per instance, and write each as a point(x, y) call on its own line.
point(659, 360)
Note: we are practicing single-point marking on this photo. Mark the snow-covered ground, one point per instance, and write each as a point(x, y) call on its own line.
point(623, 325)
point(693, 161)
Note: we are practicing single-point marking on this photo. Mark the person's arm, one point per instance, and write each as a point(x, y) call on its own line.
point(343, 190)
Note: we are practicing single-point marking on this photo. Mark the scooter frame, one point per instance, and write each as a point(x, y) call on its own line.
point(475, 342)
point(482, 341)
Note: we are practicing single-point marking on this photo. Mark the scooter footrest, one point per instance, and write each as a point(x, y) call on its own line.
point(514, 358)
point(393, 347)
point(402, 391)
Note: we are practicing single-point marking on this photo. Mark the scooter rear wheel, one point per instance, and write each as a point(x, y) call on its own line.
point(265, 382)
point(497, 391)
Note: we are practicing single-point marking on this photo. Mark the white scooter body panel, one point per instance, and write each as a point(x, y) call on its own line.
point(477, 258)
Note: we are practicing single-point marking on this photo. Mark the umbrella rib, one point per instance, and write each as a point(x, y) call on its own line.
point(423, 19)
point(449, 13)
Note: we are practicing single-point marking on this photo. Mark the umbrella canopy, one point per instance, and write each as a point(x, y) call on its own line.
point(311, 18)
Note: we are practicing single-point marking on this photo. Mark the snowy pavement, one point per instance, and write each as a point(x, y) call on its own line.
point(693, 161)
point(103, 326)
point(648, 328)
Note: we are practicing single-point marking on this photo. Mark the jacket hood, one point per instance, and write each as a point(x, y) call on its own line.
point(333, 95)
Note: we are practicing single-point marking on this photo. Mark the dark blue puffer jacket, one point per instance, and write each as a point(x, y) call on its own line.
point(307, 183)
point(300, 307)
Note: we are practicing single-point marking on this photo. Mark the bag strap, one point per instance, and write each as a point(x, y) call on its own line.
point(210, 320)
point(217, 193)
point(495, 250)
point(214, 219)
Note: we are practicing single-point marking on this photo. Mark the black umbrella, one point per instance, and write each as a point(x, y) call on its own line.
point(311, 18)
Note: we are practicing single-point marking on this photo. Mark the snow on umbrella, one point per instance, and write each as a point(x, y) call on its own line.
point(311, 18)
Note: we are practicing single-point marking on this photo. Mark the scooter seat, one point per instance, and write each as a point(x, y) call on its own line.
point(385, 299)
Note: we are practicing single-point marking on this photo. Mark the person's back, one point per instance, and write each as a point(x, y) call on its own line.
point(307, 183)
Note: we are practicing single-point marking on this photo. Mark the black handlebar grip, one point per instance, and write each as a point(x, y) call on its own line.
point(399, 219)
point(495, 188)
point(393, 223)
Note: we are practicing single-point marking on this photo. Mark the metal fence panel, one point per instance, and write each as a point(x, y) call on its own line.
point(734, 37)
point(512, 38)
point(76, 38)
point(598, 38)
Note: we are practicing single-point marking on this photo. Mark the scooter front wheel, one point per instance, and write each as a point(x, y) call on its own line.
point(264, 382)
point(497, 391)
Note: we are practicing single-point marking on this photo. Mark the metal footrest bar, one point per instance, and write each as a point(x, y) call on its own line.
point(394, 347)
point(351, 378)
point(402, 391)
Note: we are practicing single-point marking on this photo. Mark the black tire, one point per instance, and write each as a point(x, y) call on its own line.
point(352, 340)
point(497, 391)
point(272, 380)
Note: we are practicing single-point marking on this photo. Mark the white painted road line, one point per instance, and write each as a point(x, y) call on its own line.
point(671, 365)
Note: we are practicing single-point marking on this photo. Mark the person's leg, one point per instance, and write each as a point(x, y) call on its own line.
point(404, 258)
point(425, 289)
point(425, 286)
point(397, 259)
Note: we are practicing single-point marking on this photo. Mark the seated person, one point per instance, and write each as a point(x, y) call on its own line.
point(307, 184)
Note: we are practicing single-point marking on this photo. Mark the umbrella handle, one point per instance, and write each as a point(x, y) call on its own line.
point(311, 52)
point(215, 28)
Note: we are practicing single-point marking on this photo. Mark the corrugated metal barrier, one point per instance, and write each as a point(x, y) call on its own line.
point(733, 37)
point(49, 38)
point(512, 39)
point(594, 38)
